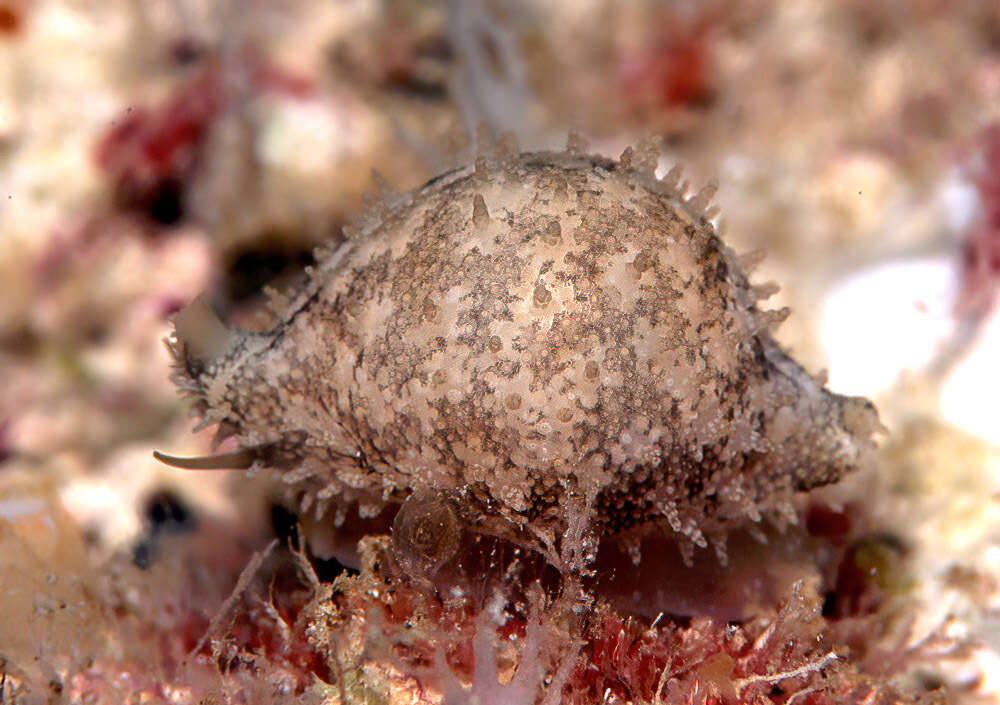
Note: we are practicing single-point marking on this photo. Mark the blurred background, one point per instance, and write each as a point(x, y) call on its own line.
point(151, 150)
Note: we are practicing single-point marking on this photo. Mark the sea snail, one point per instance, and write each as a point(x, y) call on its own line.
point(544, 336)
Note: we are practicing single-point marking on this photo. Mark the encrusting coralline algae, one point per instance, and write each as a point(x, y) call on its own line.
point(554, 344)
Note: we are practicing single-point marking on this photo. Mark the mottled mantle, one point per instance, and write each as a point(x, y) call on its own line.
point(554, 341)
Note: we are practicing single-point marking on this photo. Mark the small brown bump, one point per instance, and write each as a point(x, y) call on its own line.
point(439, 377)
point(641, 263)
point(495, 344)
point(542, 295)
point(430, 310)
point(513, 402)
point(552, 233)
point(591, 370)
point(565, 414)
point(480, 215)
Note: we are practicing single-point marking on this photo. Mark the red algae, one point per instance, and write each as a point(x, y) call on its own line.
point(676, 69)
point(154, 149)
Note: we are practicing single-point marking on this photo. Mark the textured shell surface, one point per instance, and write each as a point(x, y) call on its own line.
point(534, 333)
